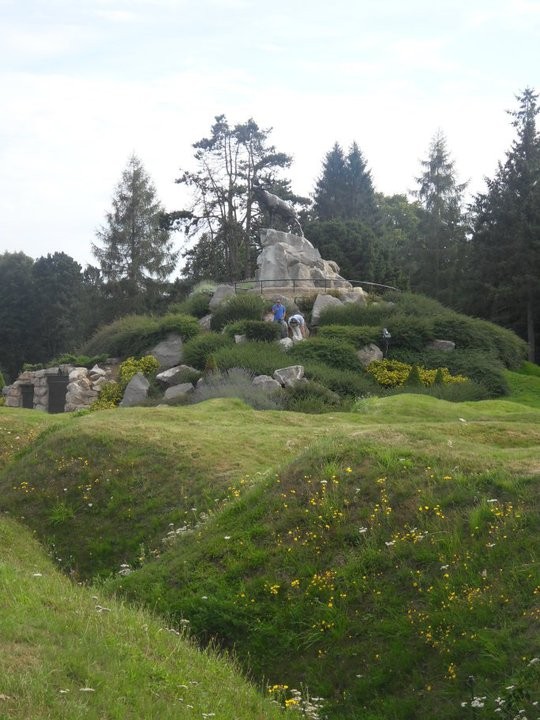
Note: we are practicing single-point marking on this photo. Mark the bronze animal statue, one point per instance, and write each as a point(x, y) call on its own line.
point(274, 205)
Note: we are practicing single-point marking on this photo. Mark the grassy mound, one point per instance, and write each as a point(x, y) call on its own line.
point(379, 557)
point(68, 653)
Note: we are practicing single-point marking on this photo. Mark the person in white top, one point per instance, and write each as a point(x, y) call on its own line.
point(297, 325)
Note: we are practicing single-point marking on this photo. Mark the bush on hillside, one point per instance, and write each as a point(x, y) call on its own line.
point(236, 383)
point(258, 357)
point(374, 314)
point(347, 383)
point(311, 397)
point(334, 353)
point(237, 307)
point(471, 333)
point(147, 365)
point(358, 336)
point(196, 305)
point(482, 368)
point(135, 334)
point(409, 331)
point(197, 351)
point(78, 360)
point(467, 391)
point(262, 331)
point(395, 373)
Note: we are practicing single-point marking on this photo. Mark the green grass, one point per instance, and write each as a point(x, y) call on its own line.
point(525, 387)
point(70, 652)
point(361, 555)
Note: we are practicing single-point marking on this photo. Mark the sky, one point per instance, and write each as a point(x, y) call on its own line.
point(87, 83)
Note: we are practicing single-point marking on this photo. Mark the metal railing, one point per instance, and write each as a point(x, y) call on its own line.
point(324, 284)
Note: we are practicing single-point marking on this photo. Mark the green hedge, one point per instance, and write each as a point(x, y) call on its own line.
point(237, 307)
point(259, 357)
point(197, 351)
point(335, 353)
point(358, 336)
point(348, 383)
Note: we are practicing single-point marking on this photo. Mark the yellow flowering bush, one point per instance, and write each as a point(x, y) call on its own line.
point(148, 365)
point(393, 373)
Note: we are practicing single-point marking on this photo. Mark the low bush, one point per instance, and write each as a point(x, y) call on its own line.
point(394, 373)
point(409, 331)
point(196, 305)
point(483, 368)
point(237, 383)
point(348, 383)
point(374, 314)
point(109, 396)
point(472, 333)
point(311, 397)
point(237, 307)
point(358, 336)
point(334, 353)
point(130, 335)
point(529, 368)
point(197, 351)
point(78, 360)
point(262, 331)
point(185, 325)
point(147, 365)
point(257, 357)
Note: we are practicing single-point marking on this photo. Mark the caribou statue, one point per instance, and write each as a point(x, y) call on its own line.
point(274, 205)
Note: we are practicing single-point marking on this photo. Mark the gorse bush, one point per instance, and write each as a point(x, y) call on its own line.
point(197, 351)
point(334, 353)
point(237, 307)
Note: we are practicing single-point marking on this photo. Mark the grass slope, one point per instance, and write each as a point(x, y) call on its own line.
point(379, 557)
point(65, 653)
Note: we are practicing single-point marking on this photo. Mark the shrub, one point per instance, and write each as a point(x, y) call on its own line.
point(354, 314)
point(467, 391)
point(196, 305)
point(130, 335)
point(409, 331)
point(261, 331)
point(483, 368)
point(148, 365)
point(185, 325)
point(78, 360)
point(2, 381)
point(358, 336)
point(393, 373)
point(109, 396)
point(237, 307)
point(197, 351)
point(237, 383)
point(311, 397)
point(335, 353)
point(236, 328)
point(347, 383)
point(259, 358)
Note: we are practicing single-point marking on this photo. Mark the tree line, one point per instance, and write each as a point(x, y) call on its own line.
point(480, 257)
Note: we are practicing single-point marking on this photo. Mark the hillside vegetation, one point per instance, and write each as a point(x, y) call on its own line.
point(378, 558)
point(70, 652)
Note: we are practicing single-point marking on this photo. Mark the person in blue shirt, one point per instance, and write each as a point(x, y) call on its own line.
point(279, 311)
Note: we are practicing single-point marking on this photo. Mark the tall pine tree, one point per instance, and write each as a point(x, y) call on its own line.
point(505, 246)
point(441, 229)
point(136, 251)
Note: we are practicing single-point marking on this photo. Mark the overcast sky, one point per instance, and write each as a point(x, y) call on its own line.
point(86, 83)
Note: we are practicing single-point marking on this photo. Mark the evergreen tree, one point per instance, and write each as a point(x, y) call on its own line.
point(17, 313)
point(329, 198)
point(58, 286)
point(136, 251)
point(344, 190)
point(504, 261)
point(224, 218)
point(441, 230)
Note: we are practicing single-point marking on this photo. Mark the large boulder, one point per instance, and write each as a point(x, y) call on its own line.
point(291, 260)
point(444, 345)
point(177, 391)
point(266, 383)
point(136, 391)
point(321, 303)
point(369, 353)
point(173, 375)
point(289, 376)
point(222, 292)
point(168, 352)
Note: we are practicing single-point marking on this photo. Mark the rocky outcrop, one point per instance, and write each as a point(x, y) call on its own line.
point(369, 353)
point(136, 391)
point(288, 257)
point(168, 352)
